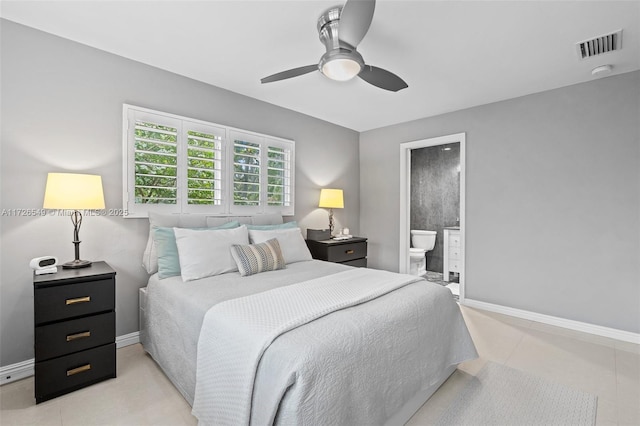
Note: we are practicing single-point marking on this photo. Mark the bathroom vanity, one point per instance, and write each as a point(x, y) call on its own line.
point(452, 252)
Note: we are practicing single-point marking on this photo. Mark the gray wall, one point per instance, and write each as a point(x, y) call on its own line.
point(435, 195)
point(552, 199)
point(62, 111)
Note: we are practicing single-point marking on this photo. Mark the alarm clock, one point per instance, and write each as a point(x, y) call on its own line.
point(44, 265)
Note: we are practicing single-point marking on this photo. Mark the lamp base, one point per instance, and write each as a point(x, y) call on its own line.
point(76, 264)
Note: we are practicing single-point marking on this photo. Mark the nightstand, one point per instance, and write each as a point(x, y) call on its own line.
point(352, 252)
point(75, 323)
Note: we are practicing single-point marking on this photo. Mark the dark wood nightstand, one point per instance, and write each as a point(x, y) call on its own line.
point(352, 252)
point(75, 329)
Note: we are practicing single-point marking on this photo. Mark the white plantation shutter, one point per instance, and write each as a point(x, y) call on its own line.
point(262, 174)
point(279, 175)
point(174, 164)
point(247, 170)
point(156, 163)
point(151, 167)
point(203, 152)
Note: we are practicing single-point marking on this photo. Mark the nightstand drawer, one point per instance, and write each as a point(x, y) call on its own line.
point(72, 300)
point(61, 375)
point(65, 337)
point(346, 252)
point(358, 263)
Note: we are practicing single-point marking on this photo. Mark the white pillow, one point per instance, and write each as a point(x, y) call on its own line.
point(150, 256)
point(205, 253)
point(294, 249)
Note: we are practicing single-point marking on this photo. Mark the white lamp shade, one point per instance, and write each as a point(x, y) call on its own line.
point(73, 191)
point(331, 199)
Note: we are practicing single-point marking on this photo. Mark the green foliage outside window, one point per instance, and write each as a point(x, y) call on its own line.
point(183, 165)
point(246, 176)
point(155, 164)
point(276, 176)
point(202, 150)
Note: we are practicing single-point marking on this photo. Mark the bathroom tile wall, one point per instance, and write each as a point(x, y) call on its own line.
point(435, 194)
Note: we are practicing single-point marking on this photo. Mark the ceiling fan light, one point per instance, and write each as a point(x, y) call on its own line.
point(341, 69)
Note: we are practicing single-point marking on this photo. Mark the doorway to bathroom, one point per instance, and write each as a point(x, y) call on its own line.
point(432, 194)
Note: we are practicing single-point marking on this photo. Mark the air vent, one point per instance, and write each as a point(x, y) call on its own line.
point(599, 45)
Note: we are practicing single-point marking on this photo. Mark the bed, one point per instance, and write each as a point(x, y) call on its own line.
point(372, 356)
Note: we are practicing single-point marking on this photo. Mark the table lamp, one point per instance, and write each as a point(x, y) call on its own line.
point(331, 199)
point(72, 191)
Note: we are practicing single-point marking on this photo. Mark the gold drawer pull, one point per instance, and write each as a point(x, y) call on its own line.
point(71, 337)
point(78, 300)
point(349, 251)
point(77, 370)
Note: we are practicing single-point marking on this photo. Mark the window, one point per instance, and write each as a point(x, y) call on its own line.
point(204, 165)
point(156, 163)
point(261, 173)
point(246, 173)
point(278, 175)
point(175, 164)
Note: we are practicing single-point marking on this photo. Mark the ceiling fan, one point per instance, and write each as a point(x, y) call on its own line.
point(341, 29)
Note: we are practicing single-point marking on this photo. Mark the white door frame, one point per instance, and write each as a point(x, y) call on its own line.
point(405, 197)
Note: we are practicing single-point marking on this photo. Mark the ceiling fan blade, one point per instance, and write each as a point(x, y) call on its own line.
point(289, 73)
point(355, 20)
point(382, 78)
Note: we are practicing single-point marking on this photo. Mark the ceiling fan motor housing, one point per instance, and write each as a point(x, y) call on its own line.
point(328, 25)
point(344, 58)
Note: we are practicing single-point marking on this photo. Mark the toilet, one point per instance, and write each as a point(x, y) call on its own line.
point(422, 242)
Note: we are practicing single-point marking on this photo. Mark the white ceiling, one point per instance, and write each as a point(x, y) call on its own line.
point(452, 54)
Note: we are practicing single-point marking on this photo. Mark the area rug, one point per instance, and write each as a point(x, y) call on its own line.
point(500, 395)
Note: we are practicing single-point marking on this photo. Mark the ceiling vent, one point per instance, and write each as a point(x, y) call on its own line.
point(599, 45)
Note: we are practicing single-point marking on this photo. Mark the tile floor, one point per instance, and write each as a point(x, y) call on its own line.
point(142, 395)
point(437, 278)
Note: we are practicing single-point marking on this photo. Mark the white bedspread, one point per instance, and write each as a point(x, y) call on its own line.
point(352, 363)
point(176, 310)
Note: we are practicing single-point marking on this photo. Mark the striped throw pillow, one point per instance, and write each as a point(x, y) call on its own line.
point(255, 258)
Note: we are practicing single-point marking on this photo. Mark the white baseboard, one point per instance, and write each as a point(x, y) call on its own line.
point(23, 369)
point(128, 339)
point(625, 336)
point(17, 371)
